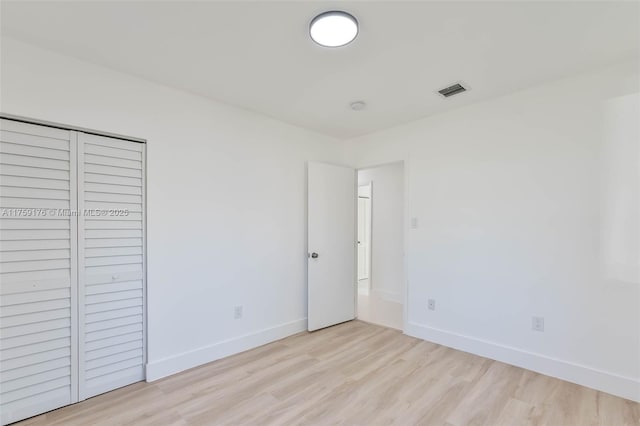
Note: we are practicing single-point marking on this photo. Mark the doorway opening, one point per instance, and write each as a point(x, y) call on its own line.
point(380, 236)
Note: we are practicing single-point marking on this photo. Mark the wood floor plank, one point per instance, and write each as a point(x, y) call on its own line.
point(351, 374)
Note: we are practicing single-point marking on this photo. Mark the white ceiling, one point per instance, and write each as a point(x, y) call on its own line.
point(257, 55)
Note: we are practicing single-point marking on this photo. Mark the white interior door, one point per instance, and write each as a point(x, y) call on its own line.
point(72, 270)
point(111, 263)
point(38, 275)
point(331, 245)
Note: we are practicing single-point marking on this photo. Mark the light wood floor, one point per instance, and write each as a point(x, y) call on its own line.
point(356, 374)
point(375, 309)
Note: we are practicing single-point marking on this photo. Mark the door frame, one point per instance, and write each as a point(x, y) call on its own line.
point(369, 231)
point(404, 293)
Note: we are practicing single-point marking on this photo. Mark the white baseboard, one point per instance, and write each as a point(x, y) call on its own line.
point(387, 295)
point(186, 360)
point(625, 387)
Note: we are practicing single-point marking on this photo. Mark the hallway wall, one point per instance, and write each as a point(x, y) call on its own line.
point(387, 245)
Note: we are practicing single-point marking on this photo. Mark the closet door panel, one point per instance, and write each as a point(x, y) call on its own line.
point(38, 270)
point(112, 314)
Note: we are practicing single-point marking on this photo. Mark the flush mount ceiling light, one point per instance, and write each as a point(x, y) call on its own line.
point(333, 29)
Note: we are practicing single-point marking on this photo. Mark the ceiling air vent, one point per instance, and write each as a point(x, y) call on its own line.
point(452, 90)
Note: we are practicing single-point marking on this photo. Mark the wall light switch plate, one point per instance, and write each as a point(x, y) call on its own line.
point(414, 223)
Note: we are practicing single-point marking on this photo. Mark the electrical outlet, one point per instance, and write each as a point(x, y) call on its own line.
point(431, 304)
point(237, 312)
point(537, 323)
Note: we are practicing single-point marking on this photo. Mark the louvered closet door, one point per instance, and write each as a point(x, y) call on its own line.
point(38, 282)
point(112, 270)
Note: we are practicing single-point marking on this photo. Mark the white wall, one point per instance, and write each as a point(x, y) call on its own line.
point(387, 239)
point(525, 206)
point(226, 201)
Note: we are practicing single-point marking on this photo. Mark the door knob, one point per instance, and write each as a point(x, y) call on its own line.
point(314, 255)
